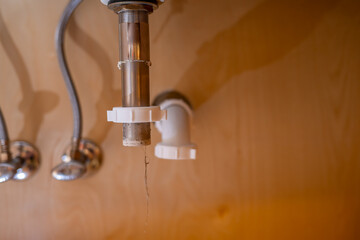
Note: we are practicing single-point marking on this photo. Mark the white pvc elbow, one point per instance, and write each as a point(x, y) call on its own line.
point(175, 132)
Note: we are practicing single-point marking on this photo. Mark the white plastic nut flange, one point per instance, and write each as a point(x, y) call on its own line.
point(105, 2)
point(136, 114)
point(175, 152)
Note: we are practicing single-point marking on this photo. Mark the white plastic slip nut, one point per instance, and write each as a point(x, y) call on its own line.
point(175, 152)
point(136, 114)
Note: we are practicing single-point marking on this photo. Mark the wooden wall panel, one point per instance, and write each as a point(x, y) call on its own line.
point(276, 90)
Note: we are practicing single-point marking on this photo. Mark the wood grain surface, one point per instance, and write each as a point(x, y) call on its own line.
point(276, 90)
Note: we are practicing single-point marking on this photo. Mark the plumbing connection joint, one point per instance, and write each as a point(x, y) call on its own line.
point(134, 63)
point(175, 130)
point(19, 162)
point(78, 162)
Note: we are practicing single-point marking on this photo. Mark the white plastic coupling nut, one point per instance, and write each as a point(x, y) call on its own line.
point(136, 114)
point(175, 152)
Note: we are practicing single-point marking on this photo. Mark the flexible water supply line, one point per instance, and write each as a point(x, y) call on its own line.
point(4, 136)
point(59, 37)
point(7, 170)
point(82, 156)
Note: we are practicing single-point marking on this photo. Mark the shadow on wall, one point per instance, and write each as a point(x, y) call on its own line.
point(262, 36)
point(34, 104)
point(108, 95)
point(176, 7)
